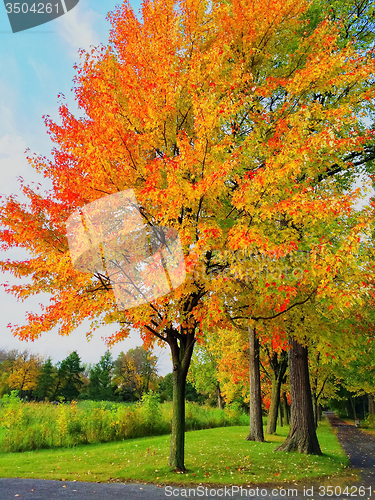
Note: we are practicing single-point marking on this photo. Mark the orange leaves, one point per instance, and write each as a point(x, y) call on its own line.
point(188, 108)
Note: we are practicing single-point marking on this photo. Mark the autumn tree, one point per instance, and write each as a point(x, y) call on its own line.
point(7, 359)
point(145, 364)
point(24, 373)
point(135, 372)
point(126, 378)
point(324, 186)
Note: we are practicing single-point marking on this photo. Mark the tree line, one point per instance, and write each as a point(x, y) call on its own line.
point(126, 378)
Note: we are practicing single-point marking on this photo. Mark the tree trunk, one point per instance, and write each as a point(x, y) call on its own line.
point(181, 345)
point(256, 421)
point(319, 412)
point(275, 402)
point(286, 409)
point(177, 453)
point(281, 415)
point(352, 405)
point(315, 408)
point(279, 364)
point(364, 407)
point(302, 434)
point(220, 402)
point(371, 404)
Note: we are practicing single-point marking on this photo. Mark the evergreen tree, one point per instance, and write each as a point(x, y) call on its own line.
point(46, 381)
point(100, 386)
point(69, 373)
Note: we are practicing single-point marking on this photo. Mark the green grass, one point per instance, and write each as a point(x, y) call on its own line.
point(215, 456)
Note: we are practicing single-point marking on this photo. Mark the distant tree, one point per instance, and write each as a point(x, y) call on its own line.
point(100, 385)
point(166, 387)
point(203, 374)
point(135, 373)
point(69, 377)
point(6, 355)
point(24, 373)
point(46, 381)
point(7, 359)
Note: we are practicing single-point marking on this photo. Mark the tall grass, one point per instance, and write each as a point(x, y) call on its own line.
point(32, 426)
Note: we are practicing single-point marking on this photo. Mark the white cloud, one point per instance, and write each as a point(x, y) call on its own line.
point(76, 28)
point(11, 145)
point(13, 163)
point(43, 72)
point(7, 105)
point(53, 345)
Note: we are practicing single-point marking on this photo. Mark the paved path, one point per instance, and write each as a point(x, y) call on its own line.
point(39, 489)
point(359, 446)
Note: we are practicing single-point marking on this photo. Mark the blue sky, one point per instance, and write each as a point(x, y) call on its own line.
point(35, 66)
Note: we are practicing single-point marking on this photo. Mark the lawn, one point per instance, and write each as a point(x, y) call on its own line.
point(215, 456)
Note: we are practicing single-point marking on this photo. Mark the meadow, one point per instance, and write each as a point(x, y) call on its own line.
point(105, 441)
point(36, 426)
point(213, 456)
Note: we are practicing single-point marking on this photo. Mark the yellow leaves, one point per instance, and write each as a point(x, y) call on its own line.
point(24, 372)
point(179, 109)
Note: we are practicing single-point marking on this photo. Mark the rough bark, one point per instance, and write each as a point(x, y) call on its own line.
point(177, 453)
point(182, 349)
point(279, 365)
point(256, 421)
point(302, 434)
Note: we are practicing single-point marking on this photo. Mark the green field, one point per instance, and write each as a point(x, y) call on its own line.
point(216, 456)
point(36, 426)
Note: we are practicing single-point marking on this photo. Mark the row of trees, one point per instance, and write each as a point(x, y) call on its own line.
point(345, 381)
point(134, 373)
point(245, 129)
point(126, 378)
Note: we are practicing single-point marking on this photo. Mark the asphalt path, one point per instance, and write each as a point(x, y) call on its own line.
point(358, 485)
point(39, 489)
